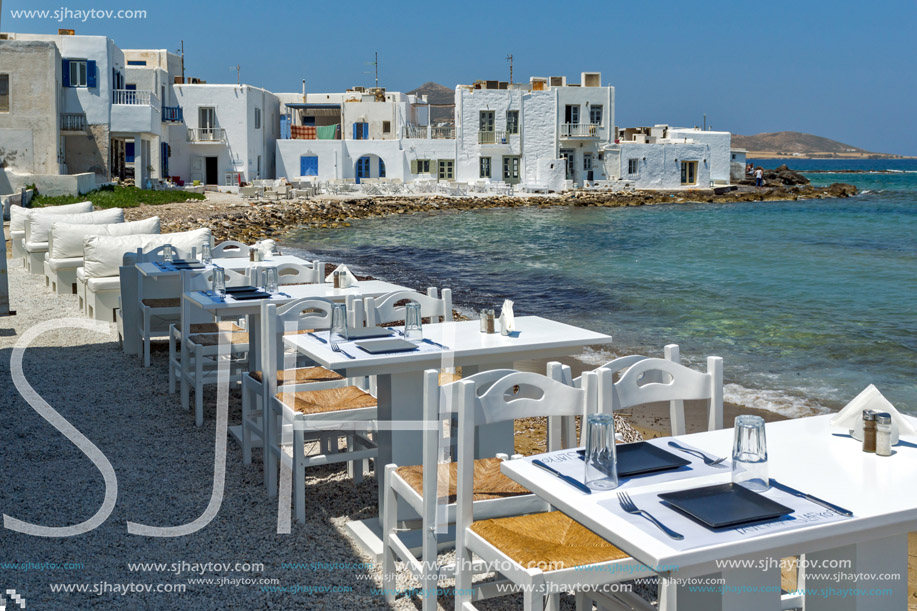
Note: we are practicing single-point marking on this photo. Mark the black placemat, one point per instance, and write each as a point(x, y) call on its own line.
point(724, 505)
point(641, 457)
point(240, 289)
point(251, 295)
point(386, 346)
point(368, 332)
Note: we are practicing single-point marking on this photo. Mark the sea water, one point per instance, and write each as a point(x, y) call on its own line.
point(807, 302)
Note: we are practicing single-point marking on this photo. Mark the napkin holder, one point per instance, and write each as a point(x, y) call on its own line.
point(348, 280)
point(851, 417)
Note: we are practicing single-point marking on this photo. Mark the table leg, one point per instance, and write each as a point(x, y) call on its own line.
point(847, 578)
point(737, 589)
point(130, 282)
point(399, 397)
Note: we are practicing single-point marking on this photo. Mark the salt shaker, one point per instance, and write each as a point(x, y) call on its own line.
point(883, 434)
point(487, 321)
point(869, 431)
point(338, 279)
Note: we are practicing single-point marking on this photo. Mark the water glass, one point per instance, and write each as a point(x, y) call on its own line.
point(166, 253)
point(749, 454)
point(219, 282)
point(206, 254)
point(601, 456)
point(413, 326)
point(271, 280)
point(339, 320)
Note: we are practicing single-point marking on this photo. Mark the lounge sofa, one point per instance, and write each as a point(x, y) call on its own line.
point(65, 251)
point(98, 281)
point(38, 231)
point(19, 216)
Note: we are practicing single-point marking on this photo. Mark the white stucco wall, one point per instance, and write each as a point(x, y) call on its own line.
point(337, 158)
point(659, 164)
point(718, 149)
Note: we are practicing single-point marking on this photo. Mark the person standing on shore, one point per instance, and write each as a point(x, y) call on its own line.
point(759, 177)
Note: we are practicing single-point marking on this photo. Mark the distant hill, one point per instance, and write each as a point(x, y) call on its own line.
point(798, 144)
point(438, 94)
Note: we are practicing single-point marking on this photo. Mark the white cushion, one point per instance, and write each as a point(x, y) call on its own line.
point(71, 263)
point(81, 274)
point(102, 255)
point(111, 283)
point(18, 214)
point(67, 238)
point(38, 227)
point(36, 246)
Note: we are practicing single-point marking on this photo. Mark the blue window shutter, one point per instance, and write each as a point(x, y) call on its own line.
point(366, 131)
point(65, 73)
point(356, 126)
point(91, 74)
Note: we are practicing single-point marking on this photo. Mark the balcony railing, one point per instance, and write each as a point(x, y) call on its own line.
point(420, 132)
point(73, 122)
point(206, 134)
point(135, 97)
point(580, 130)
point(494, 137)
point(443, 133)
point(172, 113)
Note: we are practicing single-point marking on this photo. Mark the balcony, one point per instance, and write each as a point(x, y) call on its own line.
point(419, 132)
point(493, 137)
point(135, 111)
point(206, 134)
point(580, 130)
point(172, 114)
point(443, 133)
point(73, 122)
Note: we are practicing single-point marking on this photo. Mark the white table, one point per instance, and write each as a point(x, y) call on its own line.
point(400, 382)
point(806, 454)
point(151, 270)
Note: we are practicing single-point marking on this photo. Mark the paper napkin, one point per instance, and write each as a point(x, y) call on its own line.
point(507, 319)
point(851, 417)
point(351, 280)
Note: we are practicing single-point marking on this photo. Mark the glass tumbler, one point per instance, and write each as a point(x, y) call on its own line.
point(339, 320)
point(206, 254)
point(413, 326)
point(219, 282)
point(270, 278)
point(166, 253)
point(601, 456)
point(749, 454)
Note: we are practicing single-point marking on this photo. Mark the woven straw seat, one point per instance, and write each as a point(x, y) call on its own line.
point(299, 332)
point(215, 327)
point(550, 541)
point(448, 378)
point(213, 339)
point(301, 375)
point(327, 400)
point(489, 482)
point(162, 303)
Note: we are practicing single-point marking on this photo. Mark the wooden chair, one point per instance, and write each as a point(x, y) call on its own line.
point(307, 412)
point(542, 553)
point(430, 488)
point(230, 249)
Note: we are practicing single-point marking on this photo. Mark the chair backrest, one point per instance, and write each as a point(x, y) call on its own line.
point(194, 280)
point(384, 309)
point(230, 249)
point(297, 273)
point(652, 380)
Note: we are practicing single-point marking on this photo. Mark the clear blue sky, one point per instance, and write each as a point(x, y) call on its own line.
point(840, 69)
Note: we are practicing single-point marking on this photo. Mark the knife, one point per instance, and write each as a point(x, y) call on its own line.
point(315, 335)
point(814, 499)
point(432, 343)
point(570, 480)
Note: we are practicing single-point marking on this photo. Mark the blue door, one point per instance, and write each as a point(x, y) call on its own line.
point(362, 168)
point(164, 158)
point(308, 165)
point(381, 169)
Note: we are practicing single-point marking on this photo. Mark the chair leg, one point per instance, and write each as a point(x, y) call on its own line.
point(198, 386)
point(532, 601)
point(270, 457)
point(185, 382)
point(354, 467)
point(428, 557)
point(246, 429)
point(552, 602)
point(146, 339)
point(299, 476)
point(389, 515)
point(171, 361)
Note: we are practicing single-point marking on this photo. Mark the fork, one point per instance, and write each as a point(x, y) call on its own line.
point(707, 460)
point(628, 506)
point(336, 348)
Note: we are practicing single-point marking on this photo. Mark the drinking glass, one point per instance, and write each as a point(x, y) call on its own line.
point(339, 320)
point(271, 280)
point(749, 454)
point(166, 253)
point(601, 456)
point(206, 254)
point(413, 326)
point(219, 282)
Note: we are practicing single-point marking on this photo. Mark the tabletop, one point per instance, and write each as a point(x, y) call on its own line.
point(365, 288)
point(807, 454)
point(151, 270)
point(534, 337)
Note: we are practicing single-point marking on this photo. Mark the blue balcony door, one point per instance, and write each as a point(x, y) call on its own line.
point(308, 165)
point(164, 158)
point(362, 168)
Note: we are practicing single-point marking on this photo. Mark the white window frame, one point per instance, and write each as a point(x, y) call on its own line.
point(81, 66)
point(490, 123)
point(512, 127)
point(587, 161)
point(485, 167)
point(596, 109)
point(633, 166)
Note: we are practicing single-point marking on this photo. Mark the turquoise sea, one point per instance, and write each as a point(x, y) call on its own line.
point(808, 302)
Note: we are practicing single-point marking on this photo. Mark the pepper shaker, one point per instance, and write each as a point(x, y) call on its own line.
point(869, 431)
point(883, 434)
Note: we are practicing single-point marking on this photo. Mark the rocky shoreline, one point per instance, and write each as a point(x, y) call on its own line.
point(252, 221)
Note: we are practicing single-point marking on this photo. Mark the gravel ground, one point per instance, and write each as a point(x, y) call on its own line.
point(164, 467)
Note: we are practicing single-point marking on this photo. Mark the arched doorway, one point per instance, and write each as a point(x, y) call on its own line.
point(369, 166)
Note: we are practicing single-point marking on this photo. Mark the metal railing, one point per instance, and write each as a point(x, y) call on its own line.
point(172, 113)
point(580, 130)
point(420, 132)
point(134, 97)
point(206, 134)
point(495, 137)
point(73, 122)
point(443, 133)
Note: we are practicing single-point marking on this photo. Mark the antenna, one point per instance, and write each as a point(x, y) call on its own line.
point(182, 51)
point(376, 65)
point(238, 70)
point(509, 58)
point(705, 121)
